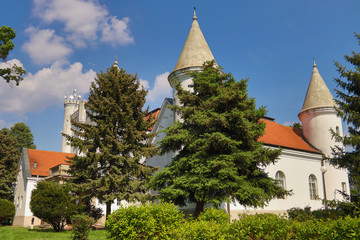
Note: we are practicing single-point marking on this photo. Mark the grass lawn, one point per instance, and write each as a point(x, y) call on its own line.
point(20, 233)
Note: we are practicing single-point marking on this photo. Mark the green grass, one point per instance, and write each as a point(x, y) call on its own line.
point(20, 233)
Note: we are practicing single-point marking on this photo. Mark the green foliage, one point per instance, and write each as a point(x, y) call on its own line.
point(219, 156)
point(149, 221)
point(23, 135)
point(200, 229)
point(260, 226)
point(53, 203)
point(300, 214)
point(7, 210)
point(348, 94)
point(9, 158)
point(13, 73)
point(214, 215)
point(81, 226)
point(114, 142)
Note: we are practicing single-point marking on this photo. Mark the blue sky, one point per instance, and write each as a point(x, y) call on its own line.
point(62, 44)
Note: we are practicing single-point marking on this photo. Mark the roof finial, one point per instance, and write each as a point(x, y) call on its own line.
point(194, 18)
point(314, 65)
point(116, 62)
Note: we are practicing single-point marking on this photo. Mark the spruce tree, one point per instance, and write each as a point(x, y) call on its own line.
point(23, 135)
point(112, 143)
point(9, 158)
point(348, 95)
point(219, 157)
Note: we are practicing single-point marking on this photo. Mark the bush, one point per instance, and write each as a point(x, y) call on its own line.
point(149, 221)
point(7, 211)
point(260, 226)
point(214, 215)
point(200, 229)
point(52, 203)
point(299, 214)
point(81, 226)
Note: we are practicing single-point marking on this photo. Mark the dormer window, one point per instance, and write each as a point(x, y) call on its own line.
point(35, 165)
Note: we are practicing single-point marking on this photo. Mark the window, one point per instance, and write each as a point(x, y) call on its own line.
point(280, 177)
point(313, 187)
point(35, 165)
point(344, 188)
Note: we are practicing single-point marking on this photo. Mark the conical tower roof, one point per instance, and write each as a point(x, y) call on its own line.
point(196, 50)
point(318, 94)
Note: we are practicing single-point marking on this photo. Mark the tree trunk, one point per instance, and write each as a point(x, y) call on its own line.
point(108, 209)
point(199, 208)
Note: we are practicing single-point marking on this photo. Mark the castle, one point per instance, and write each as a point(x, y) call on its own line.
point(300, 167)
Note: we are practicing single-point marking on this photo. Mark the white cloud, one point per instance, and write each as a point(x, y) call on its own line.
point(45, 88)
point(45, 47)
point(83, 20)
point(161, 88)
point(116, 31)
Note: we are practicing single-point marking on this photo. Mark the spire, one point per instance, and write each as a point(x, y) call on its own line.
point(318, 94)
point(195, 51)
point(116, 63)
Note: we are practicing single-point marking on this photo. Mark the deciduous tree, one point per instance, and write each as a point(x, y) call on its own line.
point(113, 142)
point(13, 73)
point(219, 157)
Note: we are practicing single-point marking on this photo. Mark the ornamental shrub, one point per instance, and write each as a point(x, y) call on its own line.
point(53, 203)
point(7, 210)
point(81, 226)
point(148, 221)
point(214, 215)
point(260, 226)
point(200, 229)
point(346, 228)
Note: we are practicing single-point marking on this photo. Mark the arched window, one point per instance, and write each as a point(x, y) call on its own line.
point(280, 176)
point(313, 187)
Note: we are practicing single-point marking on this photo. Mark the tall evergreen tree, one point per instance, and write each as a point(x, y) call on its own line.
point(23, 135)
point(113, 142)
point(219, 157)
point(348, 95)
point(9, 157)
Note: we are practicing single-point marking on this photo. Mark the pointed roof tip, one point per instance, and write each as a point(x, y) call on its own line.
point(196, 50)
point(116, 62)
point(318, 94)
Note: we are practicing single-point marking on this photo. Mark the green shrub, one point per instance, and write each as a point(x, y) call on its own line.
point(299, 214)
point(260, 226)
point(346, 228)
point(149, 221)
point(52, 203)
point(200, 229)
point(7, 211)
point(214, 215)
point(311, 229)
point(81, 226)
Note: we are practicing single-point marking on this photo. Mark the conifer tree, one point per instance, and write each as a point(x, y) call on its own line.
point(112, 143)
point(348, 95)
point(219, 157)
point(9, 158)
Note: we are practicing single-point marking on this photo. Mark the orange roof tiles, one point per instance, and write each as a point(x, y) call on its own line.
point(45, 160)
point(284, 136)
point(153, 114)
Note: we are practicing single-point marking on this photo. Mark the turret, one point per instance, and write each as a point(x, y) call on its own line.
point(319, 116)
point(195, 52)
point(71, 105)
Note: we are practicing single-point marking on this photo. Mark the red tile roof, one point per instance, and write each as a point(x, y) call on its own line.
point(284, 136)
point(45, 160)
point(153, 114)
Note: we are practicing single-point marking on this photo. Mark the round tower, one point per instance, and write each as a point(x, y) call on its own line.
point(319, 117)
point(194, 53)
point(71, 104)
